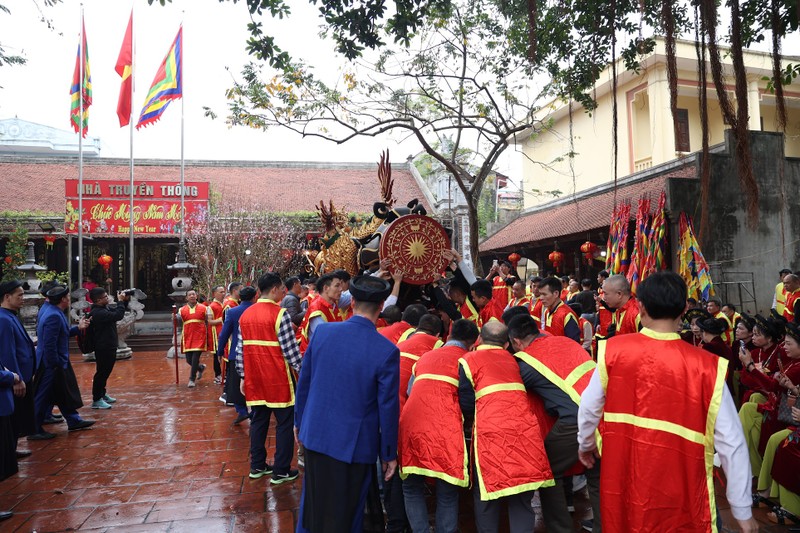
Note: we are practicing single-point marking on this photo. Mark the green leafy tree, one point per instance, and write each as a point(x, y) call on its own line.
point(16, 246)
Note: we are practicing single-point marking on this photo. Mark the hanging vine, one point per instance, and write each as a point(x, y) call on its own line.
point(702, 88)
point(777, 70)
point(668, 21)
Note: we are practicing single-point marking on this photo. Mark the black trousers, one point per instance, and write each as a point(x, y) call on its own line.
point(394, 502)
point(104, 360)
point(8, 449)
point(193, 360)
point(284, 437)
point(217, 366)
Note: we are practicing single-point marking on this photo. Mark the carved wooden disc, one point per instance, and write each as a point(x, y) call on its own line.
point(415, 244)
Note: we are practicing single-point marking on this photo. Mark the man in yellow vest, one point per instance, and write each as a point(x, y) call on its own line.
point(779, 298)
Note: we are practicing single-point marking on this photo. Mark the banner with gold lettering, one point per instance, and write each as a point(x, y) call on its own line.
point(156, 207)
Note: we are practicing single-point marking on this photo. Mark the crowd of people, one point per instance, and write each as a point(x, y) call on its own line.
point(504, 387)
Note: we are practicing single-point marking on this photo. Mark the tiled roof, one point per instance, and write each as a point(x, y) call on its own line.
point(37, 184)
point(584, 214)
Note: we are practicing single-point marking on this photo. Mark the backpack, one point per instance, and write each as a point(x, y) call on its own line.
point(86, 339)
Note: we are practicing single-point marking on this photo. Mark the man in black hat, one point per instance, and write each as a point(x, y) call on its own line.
point(347, 412)
point(52, 351)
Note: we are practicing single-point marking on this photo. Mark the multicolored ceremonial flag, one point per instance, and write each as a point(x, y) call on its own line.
point(167, 85)
point(617, 248)
point(693, 267)
point(640, 244)
point(124, 68)
point(81, 88)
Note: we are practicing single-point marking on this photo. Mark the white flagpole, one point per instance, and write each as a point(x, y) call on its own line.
point(81, 56)
point(183, 186)
point(131, 261)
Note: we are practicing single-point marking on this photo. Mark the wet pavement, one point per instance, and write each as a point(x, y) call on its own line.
point(164, 458)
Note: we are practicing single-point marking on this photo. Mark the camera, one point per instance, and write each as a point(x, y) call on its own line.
point(129, 292)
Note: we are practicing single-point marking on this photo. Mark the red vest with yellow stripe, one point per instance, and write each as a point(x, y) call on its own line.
point(468, 311)
point(626, 318)
point(788, 308)
point(491, 311)
point(537, 312)
point(267, 377)
point(516, 302)
point(501, 291)
point(508, 449)
point(397, 332)
point(562, 362)
point(555, 322)
point(214, 329)
point(411, 350)
point(193, 335)
point(653, 445)
point(318, 308)
point(431, 434)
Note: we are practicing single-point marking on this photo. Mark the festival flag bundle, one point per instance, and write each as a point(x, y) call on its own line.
point(617, 248)
point(658, 239)
point(640, 244)
point(167, 85)
point(693, 267)
point(81, 87)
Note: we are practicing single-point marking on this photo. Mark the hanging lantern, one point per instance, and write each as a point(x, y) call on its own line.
point(556, 258)
point(589, 250)
point(105, 261)
point(49, 240)
point(514, 258)
point(8, 259)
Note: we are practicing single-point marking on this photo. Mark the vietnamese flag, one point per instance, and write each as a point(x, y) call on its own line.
point(124, 68)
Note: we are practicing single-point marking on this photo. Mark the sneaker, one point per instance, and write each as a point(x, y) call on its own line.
point(109, 399)
point(223, 398)
point(100, 404)
point(217, 380)
point(277, 479)
point(200, 372)
point(587, 525)
point(192, 384)
point(82, 424)
point(301, 462)
point(258, 474)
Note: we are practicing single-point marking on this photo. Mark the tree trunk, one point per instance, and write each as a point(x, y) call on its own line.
point(472, 214)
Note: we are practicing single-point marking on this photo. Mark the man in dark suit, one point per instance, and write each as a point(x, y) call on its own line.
point(346, 412)
point(57, 384)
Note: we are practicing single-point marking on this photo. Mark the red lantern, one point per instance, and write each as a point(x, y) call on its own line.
point(105, 261)
point(589, 250)
point(49, 240)
point(8, 259)
point(556, 258)
point(514, 258)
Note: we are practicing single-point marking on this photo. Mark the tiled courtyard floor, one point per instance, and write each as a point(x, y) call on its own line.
point(165, 458)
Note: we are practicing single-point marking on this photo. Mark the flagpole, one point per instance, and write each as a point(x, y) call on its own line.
point(183, 187)
point(131, 260)
point(81, 57)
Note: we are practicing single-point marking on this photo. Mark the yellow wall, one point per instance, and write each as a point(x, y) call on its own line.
point(645, 127)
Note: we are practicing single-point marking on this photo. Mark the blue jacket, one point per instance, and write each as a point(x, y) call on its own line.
point(17, 353)
point(347, 404)
point(53, 332)
point(230, 329)
point(6, 392)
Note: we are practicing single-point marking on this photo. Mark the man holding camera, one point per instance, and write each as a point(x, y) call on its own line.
point(103, 327)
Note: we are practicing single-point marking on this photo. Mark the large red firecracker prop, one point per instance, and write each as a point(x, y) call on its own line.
point(49, 240)
point(556, 258)
point(514, 258)
point(105, 261)
point(589, 250)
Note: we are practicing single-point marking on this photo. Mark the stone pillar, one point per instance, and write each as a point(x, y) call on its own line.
point(181, 284)
point(753, 105)
point(661, 122)
point(32, 298)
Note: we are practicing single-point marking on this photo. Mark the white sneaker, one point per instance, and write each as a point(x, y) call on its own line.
point(191, 384)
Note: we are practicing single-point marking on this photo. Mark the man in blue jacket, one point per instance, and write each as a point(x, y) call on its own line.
point(346, 412)
point(57, 375)
point(17, 355)
point(230, 332)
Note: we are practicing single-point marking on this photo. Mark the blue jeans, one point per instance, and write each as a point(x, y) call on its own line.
point(417, 511)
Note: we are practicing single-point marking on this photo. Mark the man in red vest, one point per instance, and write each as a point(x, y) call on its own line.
point(322, 309)
point(518, 296)
point(617, 295)
point(424, 339)
point(461, 298)
point(232, 299)
point(194, 335)
point(658, 466)
point(501, 279)
point(489, 309)
point(431, 439)
point(217, 307)
point(791, 286)
point(558, 318)
point(508, 453)
point(400, 331)
point(557, 370)
point(269, 353)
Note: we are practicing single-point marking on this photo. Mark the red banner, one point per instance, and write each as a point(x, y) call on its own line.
point(156, 206)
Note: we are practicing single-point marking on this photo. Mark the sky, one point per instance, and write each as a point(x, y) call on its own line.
point(214, 51)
